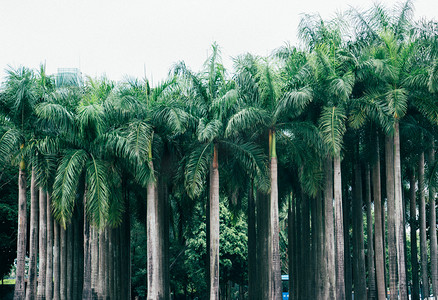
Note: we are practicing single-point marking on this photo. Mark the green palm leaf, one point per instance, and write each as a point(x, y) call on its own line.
point(332, 126)
point(66, 184)
point(196, 169)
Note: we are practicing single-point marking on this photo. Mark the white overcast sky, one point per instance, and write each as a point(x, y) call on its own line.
point(138, 38)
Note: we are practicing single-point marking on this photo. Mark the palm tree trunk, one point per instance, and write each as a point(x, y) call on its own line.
point(378, 223)
point(423, 241)
point(214, 227)
point(102, 268)
point(360, 291)
point(290, 246)
point(63, 263)
point(339, 228)
point(78, 258)
point(94, 263)
point(86, 293)
point(154, 244)
point(399, 221)
point(274, 229)
point(252, 258)
point(49, 262)
point(33, 244)
point(392, 246)
point(42, 245)
point(305, 247)
point(329, 238)
point(433, 235)
point(56, 261)
point(22, 233)
point(320, 259)
point(370, 246)
point(110, 274)
point(70, 257)
point(263, 266)
point(346, 207)
point(414, 253)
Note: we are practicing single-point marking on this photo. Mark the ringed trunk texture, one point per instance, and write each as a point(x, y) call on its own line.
point(329, 237)
point(290, 246)
point(433, 237)
point(378, 223)
point(392, 245)
point(423, 240)
point(42, 245)
point(339, 228)
point(49, 262)
point(399, 221)
point(33, 243)
point(214, 227)
point(154, 244)
point(370, 246)
point(414, 252)
point(22, 234)
point(70, 257)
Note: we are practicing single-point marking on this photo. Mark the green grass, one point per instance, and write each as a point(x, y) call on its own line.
point(8, 281)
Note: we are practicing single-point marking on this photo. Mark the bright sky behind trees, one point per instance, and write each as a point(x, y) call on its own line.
point(138, 38)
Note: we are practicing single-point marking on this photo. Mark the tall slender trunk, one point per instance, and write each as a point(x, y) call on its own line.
point(263, 266)
point(305, 246)
point(22, 233)
point(339, 228)
point(41, 294)
point(56, 261)
point(33, 243)
point(392, 246)
point(399, 221)
point(274, 229)
point(102, 268)
point(110, 274)
point(346, 207)
point(78, 258)
point(423, 240)
point(290, 246)
point(313, 280)
point(378, 223)
point(49, 262)
point(214, 227)
point(252, 258)
point(86, 293)
point(154, 244)
point(94, 262)
point(433, 237)
point(70, 257)
point(370, 246)
point(329, 237)
point(414, 253)
point(63, 263)
point(320, 259)
point(360, 291)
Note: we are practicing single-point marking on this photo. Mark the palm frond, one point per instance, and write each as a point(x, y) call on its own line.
point(66, 185)
point(208, 131)
point(249, 118)
point(196, 169)
point(332, 126)
point(98, 190)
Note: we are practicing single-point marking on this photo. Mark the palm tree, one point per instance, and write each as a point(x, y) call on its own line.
point(18, 104)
